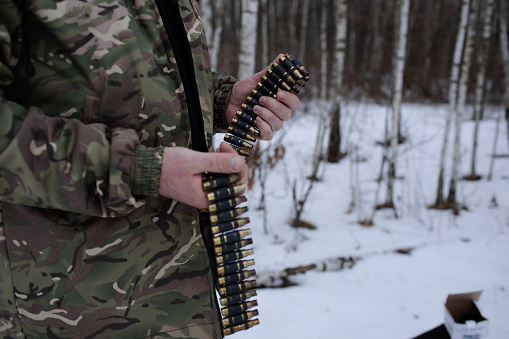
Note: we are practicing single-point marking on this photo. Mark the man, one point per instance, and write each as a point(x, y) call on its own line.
point(101, 105)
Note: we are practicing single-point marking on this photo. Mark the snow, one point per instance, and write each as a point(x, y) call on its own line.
point(385, 294)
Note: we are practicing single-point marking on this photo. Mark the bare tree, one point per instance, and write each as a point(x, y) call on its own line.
point(462, 96)
point(453, 95)
point(247, 58)
point(482, 60)
point(336, 93)
point(304, 29)
point(317, 155)
point(504, 55)
point(399, 67)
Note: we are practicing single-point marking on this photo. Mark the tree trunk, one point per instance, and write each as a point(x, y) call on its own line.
point(482, 59)
point(399, 67)
point(264, 9)
point(504, 55)
point(215, 45)
point(453, 94)
point(303, 30)
point(338, 66)
point(323, 92)
point(247, 55)
point(462, 96)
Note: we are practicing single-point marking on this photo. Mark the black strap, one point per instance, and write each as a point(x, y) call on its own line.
point(177, 35)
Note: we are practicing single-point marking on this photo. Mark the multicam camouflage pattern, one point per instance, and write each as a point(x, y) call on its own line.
point(87, 248)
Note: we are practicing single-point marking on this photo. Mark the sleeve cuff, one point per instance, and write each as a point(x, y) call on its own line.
point(146, 170)
point(222, 95)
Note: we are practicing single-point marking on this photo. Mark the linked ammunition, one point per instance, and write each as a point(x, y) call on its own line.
point(271, 86)
point(241, 134)
point(227, 215)
point(239, 308)
point(299, 65)
point(255, 94)
point(234, 267)
point(237, 288)
point(251, 101)
point(225, 193)
point(265, 90)
point(279, 70)
point(241, 151)
point(245, 126)
point(245, 116)
point(237, 141)
point(237, 298)
point(213, 182)
point(235, 277)
point(234, 256)
point(280, 82)
point(230, 225)
point(233, 246)
point(248, 109)
point(227, 204)
point(231, 237)
point(290, 68)
point(241, 327)
point(239, 318)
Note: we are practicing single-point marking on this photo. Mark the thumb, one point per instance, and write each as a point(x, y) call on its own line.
point(224, 163)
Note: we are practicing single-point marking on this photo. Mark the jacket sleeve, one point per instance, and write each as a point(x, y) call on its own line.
point(222, 89)
point(59, 163)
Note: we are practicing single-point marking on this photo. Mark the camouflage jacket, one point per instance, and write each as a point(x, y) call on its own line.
point(87, 247)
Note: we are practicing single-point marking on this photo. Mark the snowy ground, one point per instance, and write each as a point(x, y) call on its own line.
point(385, 294)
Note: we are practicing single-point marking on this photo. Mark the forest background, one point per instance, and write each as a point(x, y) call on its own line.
point(444, 61)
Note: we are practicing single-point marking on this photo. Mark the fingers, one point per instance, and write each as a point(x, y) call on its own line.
point(272, 113)
point(182, 168)
point(240, 162)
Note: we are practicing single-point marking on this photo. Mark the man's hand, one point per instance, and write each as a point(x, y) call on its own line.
point(271, 112)
point(182, 168)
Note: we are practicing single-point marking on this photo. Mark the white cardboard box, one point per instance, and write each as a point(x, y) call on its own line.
point(463, 319)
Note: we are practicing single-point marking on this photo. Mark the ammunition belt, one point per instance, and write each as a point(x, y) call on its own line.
point(229, 236)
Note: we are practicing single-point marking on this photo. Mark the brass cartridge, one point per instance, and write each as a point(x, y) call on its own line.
point(239, 318)
point(237, 141)
point(234, 256)
point(237, 298)
point(234, 267)
point(233, 246)
point(245, 126)
point(290, 68)
point(227, 215)
point(231, 237)
point(299, 65)
point(255, 94)
point(224, 205)
point(241, 327)
point(265, 90)
point(230, 225)
point(210, 183)
point(237, 288)
point(245, 116)
point(239, 308)
point(247, 108)
point(279, 82)
point(241, 151)
point(251, 101)
point(235, 277)
point(241, 134)
point(279, 70)
point(270, 85)
point(225, 193)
